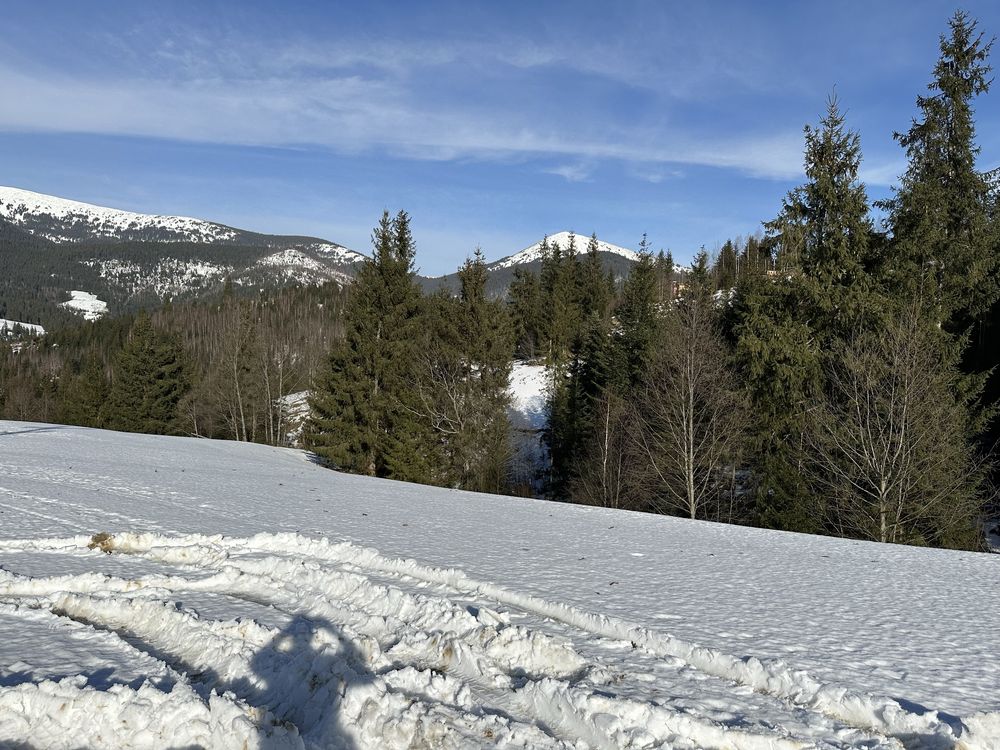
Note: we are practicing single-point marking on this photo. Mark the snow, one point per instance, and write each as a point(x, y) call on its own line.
point(528, 414)
point(168, 277)
point(20, 206)
point(295, 412)
point(246, 597)
point(296, 266)
point(336, 253)
point(86, 304)
point(534, 252)
point(11, 328)
point(528, 391)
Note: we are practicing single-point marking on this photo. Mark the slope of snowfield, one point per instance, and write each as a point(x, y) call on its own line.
point(248, 598)
point(534, 252)
point(19, 206)
point(86, 304)
point(13, 327)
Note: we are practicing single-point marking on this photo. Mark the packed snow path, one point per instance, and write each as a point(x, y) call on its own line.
point(155, 636)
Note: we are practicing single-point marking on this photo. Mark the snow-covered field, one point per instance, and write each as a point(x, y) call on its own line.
point(248, 598)
point(86, 304)
point(15, 327)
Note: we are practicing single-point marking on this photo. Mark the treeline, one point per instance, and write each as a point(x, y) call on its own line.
point(416, 389)
point(839, 387)
point(212, 369)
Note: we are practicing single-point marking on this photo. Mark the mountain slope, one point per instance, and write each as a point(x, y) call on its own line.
point(245, 597)
point(54, 250)
point(619, 260)
point(562, 240)
point(66, 221)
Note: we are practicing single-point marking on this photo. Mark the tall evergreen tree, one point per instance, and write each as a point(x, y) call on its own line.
point(783, 327)
point(638, 324)
point(525, 307)
point(825, 226)
point(944, 250)
point(595, 293)
point(150, 378)
point(363, 418)
point(82, 395)
point(466, 394)
point(726, 267)
point(664, 276)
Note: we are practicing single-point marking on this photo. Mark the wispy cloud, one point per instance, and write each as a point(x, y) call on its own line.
point(883, 173)
point(381, 95)
point(353, 114)
point(571, 172)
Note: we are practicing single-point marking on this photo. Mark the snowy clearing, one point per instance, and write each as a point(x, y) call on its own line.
point(12, 328)
point(244, 597)
point(86, 304)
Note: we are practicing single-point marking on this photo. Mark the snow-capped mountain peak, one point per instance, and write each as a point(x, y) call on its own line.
point(562, 240)
point(62, 220)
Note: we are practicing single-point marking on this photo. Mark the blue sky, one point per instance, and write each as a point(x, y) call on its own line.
point(491, 123)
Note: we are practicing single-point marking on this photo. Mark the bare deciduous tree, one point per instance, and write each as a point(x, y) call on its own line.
point(692, 418)
point(613, 475)
point(890, 441)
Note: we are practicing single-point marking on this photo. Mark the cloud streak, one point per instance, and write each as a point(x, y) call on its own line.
point(360, 113)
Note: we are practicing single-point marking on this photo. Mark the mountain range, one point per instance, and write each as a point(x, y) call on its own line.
point(60, 258)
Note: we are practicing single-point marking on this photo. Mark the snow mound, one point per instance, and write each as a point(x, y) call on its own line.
point(86, 304)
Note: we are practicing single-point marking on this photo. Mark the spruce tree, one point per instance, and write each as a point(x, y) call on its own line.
point(595, 294)
point(524, 305)
point(150, 378)
point(783, 327)
point(82, 395)
point(825, 230)
point(362, 416)
point(726, 267)
point(637, 325)
point(943, 249)
point(664, 276)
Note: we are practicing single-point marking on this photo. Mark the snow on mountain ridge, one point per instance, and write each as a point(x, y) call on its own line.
point(534, 252)
point(67, 221)
point(17, 206)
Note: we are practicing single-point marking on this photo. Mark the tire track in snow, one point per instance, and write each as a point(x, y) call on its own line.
point(70, 713)
point(437, 634)
point(559, 707)
point(881, 714)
